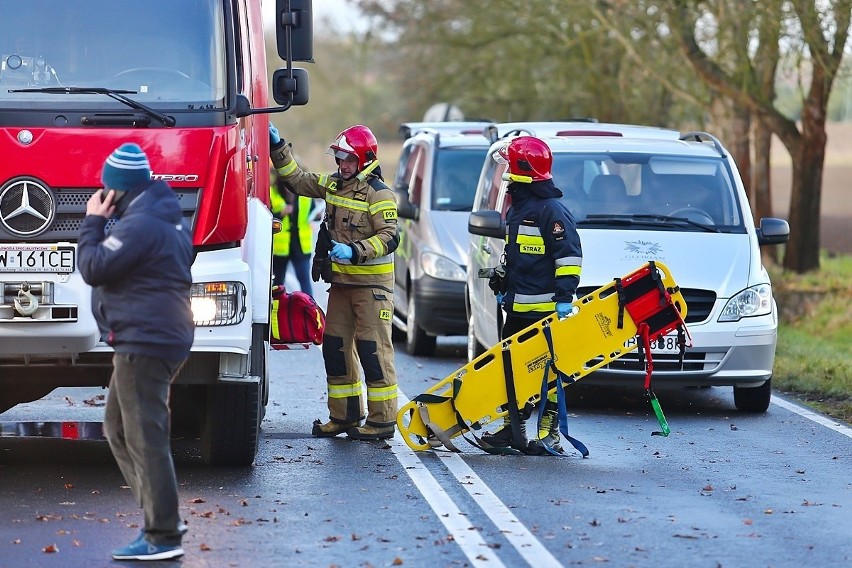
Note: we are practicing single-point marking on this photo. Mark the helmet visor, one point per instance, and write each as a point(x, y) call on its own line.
point(339, 154)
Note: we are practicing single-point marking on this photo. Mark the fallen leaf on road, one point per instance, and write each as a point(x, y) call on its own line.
point(98, 400)
point(204, 548)
point(197, 500)
point(50, 549)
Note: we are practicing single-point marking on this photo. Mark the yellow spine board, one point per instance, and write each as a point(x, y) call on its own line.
point(582, 343)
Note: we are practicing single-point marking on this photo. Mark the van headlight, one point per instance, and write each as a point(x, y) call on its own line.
point(217, 303)
point(441, 267)
point(754, 301)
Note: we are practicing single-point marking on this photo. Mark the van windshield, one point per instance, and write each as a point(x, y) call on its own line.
point(606, 189)
point(456, 174)
point(167, 53)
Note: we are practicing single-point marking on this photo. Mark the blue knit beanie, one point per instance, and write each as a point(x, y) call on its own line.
point(126, 168)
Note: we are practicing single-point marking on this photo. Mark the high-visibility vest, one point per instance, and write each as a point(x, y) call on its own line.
point(281, 240)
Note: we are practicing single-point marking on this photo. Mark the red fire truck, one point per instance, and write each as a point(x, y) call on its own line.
point(187, 81)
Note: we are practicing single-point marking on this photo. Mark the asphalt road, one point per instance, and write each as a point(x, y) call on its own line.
point(724, 489)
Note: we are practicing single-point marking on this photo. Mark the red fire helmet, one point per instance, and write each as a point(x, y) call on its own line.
point(356, 140)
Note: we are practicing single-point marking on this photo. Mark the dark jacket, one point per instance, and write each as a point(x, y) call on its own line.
point(543, 252)
point(140, 274)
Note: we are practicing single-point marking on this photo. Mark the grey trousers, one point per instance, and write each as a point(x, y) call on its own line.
point(136, 425)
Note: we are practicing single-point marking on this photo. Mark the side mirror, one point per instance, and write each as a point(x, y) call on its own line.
point(404, 208)
point(283, 86)
point(297, 15)
point(486, 224)
point(773, 231)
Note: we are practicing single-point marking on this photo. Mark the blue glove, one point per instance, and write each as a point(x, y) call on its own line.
point(274, 137)
point(340, 251)
point(563, 309)
point(500, 297)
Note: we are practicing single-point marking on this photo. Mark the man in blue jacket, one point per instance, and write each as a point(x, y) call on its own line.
point(543, 259)
point(140, 276)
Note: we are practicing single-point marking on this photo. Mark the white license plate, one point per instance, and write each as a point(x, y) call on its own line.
point(663, 344)
point(37, 258)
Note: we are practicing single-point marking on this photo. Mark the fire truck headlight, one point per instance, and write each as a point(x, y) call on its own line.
point(217, 303)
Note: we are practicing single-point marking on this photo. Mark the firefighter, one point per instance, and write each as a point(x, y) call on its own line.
point(359, 239)
point(543, 259)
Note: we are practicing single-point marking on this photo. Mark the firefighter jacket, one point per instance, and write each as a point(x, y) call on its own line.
point(301, 214)
point(359, 212)
point(543, 254)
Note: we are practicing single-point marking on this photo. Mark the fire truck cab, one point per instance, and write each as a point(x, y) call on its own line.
point(187, 81)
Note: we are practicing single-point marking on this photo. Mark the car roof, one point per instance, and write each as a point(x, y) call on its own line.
point(582, 137)
point(585, 128)
point(409, 129)
point(449, 134)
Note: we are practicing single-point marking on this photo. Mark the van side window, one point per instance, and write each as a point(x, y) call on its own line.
point(417, 164)
point(403, 169)
point(496, 182)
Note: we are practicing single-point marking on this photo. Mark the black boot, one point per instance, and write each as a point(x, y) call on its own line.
point(502, 437)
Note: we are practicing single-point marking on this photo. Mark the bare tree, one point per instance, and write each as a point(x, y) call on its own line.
point(824, 30)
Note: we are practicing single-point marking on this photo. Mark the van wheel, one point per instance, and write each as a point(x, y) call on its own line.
point(754, 399)
point(474, 347)
point(417, 341)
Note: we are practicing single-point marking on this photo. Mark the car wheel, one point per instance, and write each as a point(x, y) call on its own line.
point(417, 341)
point(474, 347)
point(754, 399)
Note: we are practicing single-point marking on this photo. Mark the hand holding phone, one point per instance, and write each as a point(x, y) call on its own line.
point(100, 203)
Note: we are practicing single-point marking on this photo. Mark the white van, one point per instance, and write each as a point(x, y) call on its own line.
point(640, 194)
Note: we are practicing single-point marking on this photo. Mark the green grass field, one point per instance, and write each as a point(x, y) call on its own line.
point(814, 354)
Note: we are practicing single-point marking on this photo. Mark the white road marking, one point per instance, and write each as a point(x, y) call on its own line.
point(527, 545)
point(469, 539)
point(463, 532)
point(813, 416)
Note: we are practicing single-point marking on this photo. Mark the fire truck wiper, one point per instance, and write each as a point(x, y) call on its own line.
point(117, 94)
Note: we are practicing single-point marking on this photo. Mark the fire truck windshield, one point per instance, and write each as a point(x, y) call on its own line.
point(165, 53)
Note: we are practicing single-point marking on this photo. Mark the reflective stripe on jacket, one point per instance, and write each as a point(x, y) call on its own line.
point(543, 256)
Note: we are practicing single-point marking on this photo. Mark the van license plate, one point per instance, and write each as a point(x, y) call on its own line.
point(36, 258)
point(663, 344)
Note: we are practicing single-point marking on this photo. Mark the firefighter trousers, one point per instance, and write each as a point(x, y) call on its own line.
point(358, 329)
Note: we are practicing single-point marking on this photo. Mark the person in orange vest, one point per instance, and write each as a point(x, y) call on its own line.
point(295, 240)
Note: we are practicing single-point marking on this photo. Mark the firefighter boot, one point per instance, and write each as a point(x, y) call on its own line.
point(371, 431)
point(331, 428)
point(548, 431)
point(502, 438)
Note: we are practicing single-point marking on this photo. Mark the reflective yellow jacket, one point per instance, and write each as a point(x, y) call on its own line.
point(281, 240)
point(359, 212)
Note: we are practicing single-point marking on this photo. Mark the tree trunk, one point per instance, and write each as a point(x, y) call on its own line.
point(802, 253)
point(760, 195)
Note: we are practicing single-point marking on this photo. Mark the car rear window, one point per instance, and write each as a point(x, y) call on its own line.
point(455, 176)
